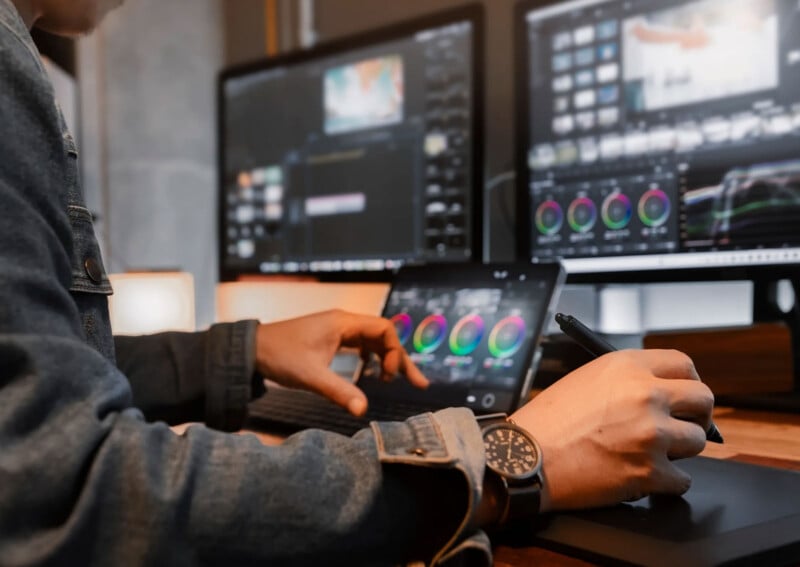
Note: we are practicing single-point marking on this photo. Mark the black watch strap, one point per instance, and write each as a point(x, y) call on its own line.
point(520, 502)
point(523, 501)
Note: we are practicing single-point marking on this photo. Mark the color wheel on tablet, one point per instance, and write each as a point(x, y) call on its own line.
point(466, 335)
point(507, 336)
point(403, 325)
point(430, 333)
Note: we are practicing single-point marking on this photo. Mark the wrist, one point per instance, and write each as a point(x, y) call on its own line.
point(262, 343)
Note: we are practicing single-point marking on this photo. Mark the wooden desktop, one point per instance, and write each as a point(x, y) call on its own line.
point(758, 437)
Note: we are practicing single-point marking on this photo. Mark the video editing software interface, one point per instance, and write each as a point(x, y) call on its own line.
point(472, 337)
point(356, 160)
point(663, 133)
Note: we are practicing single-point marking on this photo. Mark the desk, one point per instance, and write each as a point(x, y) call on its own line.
point(766, 438)
point(763, 438)
point(757, 437)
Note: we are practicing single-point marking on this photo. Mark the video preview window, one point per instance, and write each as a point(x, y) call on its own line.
point(367, 94)
point(700, 51)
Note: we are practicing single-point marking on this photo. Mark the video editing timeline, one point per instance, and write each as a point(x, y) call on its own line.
point(355, 160)
point(662, 130)
point(478, 339)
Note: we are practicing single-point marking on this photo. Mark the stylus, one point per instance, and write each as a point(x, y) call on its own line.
point(596, 346)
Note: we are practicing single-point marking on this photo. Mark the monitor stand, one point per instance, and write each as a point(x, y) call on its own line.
point(767, 308)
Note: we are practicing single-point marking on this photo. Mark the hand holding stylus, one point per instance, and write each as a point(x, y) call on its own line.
point(597, 347)
point(616, 428)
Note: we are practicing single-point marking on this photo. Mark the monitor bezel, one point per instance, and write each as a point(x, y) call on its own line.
point(473, 13)
point(524, 248)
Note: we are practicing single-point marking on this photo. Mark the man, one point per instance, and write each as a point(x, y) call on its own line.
point(87, 476)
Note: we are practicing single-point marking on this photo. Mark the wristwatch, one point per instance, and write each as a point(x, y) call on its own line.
point(514, 465)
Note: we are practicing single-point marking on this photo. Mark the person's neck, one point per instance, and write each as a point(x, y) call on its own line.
point(28, 11)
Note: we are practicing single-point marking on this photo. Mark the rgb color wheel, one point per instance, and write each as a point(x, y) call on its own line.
point(582, 214)
point(403, 325)
point(430, 333)
point(506, 337)
point(549, 218)
point(654, 207)
point(466, 335)
point(617, 211)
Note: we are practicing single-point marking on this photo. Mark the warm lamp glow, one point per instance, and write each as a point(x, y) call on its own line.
point(151, 302)
point(275, 301)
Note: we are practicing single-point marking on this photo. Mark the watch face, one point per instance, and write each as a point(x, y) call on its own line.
point(511, 452)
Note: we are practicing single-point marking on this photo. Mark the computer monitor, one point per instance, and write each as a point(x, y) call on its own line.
point(356, 156)
point(659, 139)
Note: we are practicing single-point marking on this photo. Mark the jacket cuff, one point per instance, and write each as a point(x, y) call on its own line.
point(448, 440)
point(230, 373)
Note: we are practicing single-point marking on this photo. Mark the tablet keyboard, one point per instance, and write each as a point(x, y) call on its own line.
point(297, 409)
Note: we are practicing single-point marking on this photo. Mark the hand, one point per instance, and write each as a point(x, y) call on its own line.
point(298, 352)
point(610, 430)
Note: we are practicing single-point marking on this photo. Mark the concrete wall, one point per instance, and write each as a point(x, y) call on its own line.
point(148, 137)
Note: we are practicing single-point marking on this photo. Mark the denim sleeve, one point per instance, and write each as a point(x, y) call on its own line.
point(128, 492)
point(207, 376)
point(85, 480)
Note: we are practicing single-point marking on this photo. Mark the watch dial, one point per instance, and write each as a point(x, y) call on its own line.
point(510, 452)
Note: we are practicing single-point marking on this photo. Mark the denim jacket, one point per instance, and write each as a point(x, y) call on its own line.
point(88, 473)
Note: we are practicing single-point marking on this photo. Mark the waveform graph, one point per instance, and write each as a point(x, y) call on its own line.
point(752, 207)
point(430, 333)
point(507, 336)
point(466, 335)
point(759, 205)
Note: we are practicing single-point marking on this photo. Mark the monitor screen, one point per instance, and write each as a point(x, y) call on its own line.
point(659, 134)
point(356, 156)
